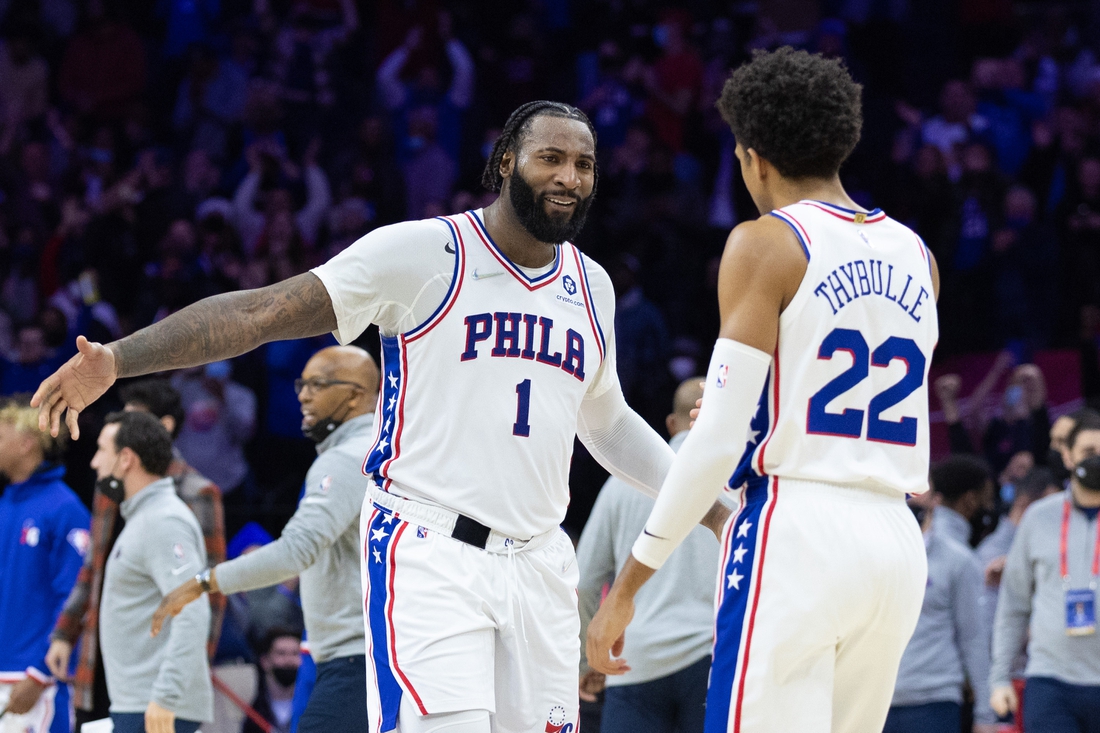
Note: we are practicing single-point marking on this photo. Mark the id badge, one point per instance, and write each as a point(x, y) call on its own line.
point(1080, 612)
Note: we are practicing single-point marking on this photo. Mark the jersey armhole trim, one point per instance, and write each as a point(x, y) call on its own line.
point(925, 253)
point(590, 302)
point(796, 227)
point(452, 292)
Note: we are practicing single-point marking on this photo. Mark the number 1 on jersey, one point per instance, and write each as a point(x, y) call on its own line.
point(523, 409)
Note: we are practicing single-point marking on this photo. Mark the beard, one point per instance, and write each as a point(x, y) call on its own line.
point(549, 228)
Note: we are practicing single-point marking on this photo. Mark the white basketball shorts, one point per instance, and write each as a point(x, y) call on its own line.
point(454, 627)
point(819, 589)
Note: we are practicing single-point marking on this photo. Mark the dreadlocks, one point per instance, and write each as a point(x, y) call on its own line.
point(517, 126)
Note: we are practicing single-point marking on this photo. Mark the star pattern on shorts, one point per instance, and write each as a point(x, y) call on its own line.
point(379, 534)
point(377, 556)
point(733, 580)
point(743, 530)
point(393, 379)
point(392, 402)
point(390, 519)
point(382, 445)
point(739, 553)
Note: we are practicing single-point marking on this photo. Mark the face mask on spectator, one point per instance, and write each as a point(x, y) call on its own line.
point(112, 488)
point(1087, 473)
point(285, 676)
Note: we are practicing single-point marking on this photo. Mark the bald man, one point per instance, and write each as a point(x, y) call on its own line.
point(669, 642)
point(338, 391)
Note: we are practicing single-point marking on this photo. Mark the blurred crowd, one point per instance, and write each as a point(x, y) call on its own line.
point(153, 153)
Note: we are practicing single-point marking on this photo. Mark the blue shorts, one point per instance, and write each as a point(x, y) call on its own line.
point(339, 698)
point(135, 723)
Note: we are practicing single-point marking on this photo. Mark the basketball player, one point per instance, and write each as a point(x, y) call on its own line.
point(828, 309)
point(497, 349)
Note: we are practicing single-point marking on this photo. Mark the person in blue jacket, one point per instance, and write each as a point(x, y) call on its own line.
point(43, 539)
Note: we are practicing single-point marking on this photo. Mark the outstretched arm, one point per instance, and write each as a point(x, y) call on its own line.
point(215, 328)
point(761, 270)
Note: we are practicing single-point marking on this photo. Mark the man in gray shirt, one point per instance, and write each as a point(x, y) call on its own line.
point(1048, 601)
point(669, 642)
point(320, 543)
point(949, 646)
point(158, 685)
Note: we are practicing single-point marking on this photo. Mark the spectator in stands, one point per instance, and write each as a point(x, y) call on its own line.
point(32, 363)
point(1022, 425)
point(219, 417)
point(267, 159)
point(103, 70)
point(1024, 259)
point(956, 125)
point(44, 531)
point(24, 86)
point(280, 659)
point(427, 90)
point(965, 487)
point(1048, 601)
point(949, 647)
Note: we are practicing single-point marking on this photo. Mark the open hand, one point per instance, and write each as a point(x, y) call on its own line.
point(174, 602)
point(78, 383)
point(607, 634)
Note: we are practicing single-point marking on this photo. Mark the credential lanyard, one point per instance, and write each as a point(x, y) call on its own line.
point(1063, 548)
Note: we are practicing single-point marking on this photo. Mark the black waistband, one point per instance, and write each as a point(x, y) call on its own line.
point(470, 531)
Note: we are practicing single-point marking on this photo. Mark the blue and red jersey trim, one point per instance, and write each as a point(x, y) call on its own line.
point(531, 283)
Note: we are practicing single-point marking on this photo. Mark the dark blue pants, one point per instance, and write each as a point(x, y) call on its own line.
point(933, 717)
point(135, 723)
point(673, 704)
point(1051, 706)
point(339, 699)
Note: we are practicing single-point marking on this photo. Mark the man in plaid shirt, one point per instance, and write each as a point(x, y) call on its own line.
point(79, 618)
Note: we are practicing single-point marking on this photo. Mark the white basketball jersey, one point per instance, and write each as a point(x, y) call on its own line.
point(479, 404)
point(846, 400)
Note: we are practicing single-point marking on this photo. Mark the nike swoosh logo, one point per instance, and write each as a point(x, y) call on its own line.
point(448, 248)
point(646, 531)
point(478, 276)
point(179, 570)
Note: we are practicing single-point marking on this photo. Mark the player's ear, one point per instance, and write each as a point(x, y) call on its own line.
point(507, 163)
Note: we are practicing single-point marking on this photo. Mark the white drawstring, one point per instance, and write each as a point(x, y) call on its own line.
point(513, 581)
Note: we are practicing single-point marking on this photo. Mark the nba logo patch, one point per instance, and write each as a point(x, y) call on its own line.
point(326, 482)
point(30, 534)
point(421, 532)
point(177, 550)
point(723, 376)
point(80, 541)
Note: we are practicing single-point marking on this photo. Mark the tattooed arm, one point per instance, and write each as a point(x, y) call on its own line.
point(219, 327)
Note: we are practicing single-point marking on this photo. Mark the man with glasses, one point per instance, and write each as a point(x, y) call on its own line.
point(337, 391)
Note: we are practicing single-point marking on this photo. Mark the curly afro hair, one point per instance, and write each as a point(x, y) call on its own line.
point(801, 112)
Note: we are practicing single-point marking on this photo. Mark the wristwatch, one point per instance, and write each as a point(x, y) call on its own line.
point(203, 579)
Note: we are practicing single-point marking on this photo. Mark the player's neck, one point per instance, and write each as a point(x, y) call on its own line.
point(829, 190)
point(512, 237)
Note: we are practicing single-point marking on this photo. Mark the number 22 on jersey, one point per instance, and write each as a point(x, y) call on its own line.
point(850, 422)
